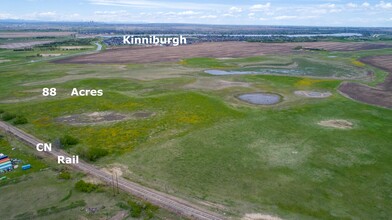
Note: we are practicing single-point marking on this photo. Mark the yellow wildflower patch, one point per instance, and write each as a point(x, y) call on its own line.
point(307, 82)
point(357, 63)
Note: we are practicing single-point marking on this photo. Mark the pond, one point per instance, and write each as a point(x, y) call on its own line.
point(260, 98)
point(260, 71)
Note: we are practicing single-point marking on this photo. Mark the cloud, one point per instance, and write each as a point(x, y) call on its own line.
point(292, 17)
point(5, 16)
point(351, 5)
point(45, 14)
point(329, 5)
point(235, 10)
point(365, 4)
point(158, 4)
point(384, 5)
point(188, 13)
point(260, 7)
point(285, 17)
point(208, 16)
point(110, 12)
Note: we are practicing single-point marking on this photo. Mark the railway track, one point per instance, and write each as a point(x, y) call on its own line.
point(171, 203)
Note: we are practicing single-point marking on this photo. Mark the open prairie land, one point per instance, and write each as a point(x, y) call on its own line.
point(213, 50)
point(166, 123)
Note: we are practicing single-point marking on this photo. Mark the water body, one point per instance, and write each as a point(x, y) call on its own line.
point(260, 98)
point(99, 46)
point(292, 72)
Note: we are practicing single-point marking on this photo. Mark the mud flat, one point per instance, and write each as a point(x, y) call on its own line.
point(313, 94)
point(260, 98)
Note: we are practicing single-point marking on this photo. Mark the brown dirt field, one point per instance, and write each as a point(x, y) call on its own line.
point(34, 34)
point(370, 95)
point(382, 62)
point(139, 54)
point(380, 95)
point(23, 45)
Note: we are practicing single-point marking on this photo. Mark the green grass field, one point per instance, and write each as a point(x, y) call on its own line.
point(204, 145)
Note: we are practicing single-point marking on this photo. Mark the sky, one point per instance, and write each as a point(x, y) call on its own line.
point(371, 13)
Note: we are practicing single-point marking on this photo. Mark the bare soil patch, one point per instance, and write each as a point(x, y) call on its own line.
point(23, 45)
point(100, 117)
point(258, 216)
point(142, 114)
point(120, 215)
point(382, 62)
point(4, 61)
point(313, 94)
point(337, 123)
point(34, 34)
point(139, 54)
point(370, 95)
point(117, 169)
point(215, 84)
point(10, 101)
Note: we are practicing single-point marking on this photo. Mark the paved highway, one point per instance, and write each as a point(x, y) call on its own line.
point(160, 199)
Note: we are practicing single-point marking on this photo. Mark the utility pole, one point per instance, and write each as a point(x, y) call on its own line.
point(114, 193)
point(118, 191)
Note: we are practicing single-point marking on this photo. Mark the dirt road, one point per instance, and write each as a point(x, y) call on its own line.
point(171, 203)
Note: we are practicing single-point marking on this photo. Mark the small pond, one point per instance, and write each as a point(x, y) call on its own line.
point(260, 98)
point(294, 72)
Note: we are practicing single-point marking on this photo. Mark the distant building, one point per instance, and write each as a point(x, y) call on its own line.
point(5, 163)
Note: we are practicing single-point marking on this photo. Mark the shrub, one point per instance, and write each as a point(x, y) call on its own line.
point(64, 175)
point(67, 141)
point(8, 116)
point(136, 209)
point(93, 154)
point(1, 111)
point(20, 120)
point(85, 187)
